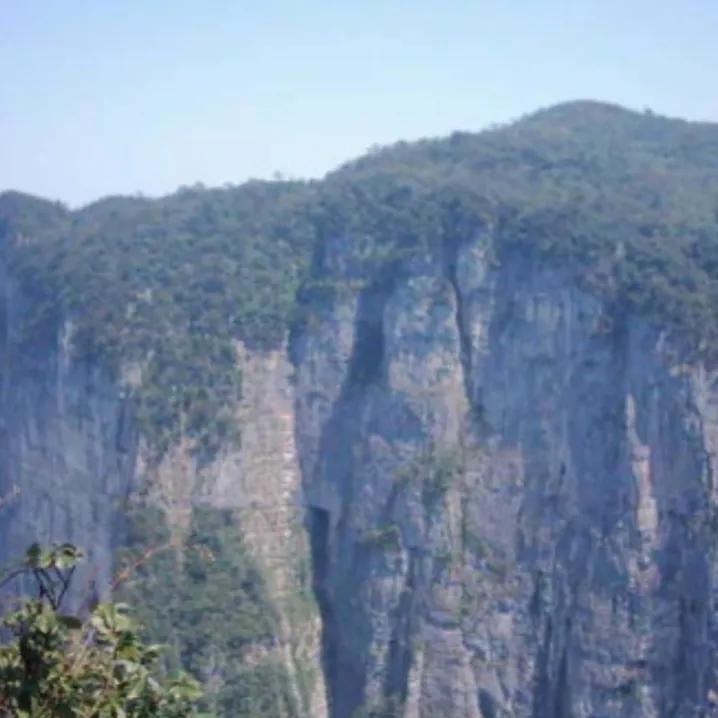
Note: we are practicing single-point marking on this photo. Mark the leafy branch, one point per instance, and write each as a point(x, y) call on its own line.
point(60, 666)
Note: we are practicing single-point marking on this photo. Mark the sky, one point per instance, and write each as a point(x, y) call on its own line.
point(103, 97)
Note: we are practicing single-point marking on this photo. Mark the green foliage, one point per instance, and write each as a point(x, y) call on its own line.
point(258, 691)
point(442, 466)
point(625, 202)
point(390, 707)
point(386, 536)
point(55, 665)
point(206, 599)
point(165, 288)
point(436, 469)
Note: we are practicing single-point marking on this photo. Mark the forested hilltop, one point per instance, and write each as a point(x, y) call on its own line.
point(162, 288)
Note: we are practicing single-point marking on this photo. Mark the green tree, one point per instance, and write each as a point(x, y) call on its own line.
point(57, 665)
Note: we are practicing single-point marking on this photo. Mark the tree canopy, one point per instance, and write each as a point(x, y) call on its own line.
point(163, 289)
point(59, 665)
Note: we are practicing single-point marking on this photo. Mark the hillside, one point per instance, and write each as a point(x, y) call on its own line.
point(445, 418)
point(629, 200)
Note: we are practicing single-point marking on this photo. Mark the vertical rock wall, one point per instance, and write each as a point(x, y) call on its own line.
point(518, 491)
point(67, 444)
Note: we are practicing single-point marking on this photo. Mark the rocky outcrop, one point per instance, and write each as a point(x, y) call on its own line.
point(515, 491)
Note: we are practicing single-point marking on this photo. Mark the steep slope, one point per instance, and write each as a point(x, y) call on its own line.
point(446, 420)
point(515, 513)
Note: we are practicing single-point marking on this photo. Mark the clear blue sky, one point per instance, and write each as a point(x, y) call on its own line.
point(100, 96)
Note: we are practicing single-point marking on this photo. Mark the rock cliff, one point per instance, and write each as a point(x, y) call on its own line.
point(514, 510)
point(74, 467)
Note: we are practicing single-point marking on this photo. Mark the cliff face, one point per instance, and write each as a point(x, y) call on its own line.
point(74, 467)
point(508, 489)
point(68, 445)
point(513, 491)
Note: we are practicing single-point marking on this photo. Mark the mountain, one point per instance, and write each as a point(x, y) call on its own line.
point(446, 421)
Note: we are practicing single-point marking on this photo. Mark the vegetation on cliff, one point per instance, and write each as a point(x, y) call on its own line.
point(161, 290)
point(58, 665)
point(627, 202)
point(205, 599)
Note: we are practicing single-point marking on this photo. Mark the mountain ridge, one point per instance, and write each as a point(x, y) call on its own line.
point(447, 419)
point(569, 112)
